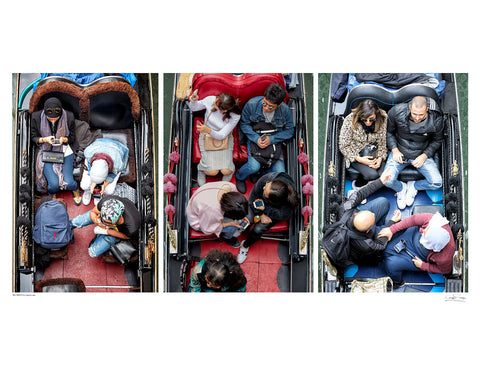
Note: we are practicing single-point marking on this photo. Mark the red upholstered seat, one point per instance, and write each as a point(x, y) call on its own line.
point(242, 87)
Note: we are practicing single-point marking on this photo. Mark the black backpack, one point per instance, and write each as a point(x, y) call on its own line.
point(336, 241)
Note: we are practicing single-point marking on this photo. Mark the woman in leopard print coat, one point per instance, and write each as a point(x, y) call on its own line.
point(366, 124)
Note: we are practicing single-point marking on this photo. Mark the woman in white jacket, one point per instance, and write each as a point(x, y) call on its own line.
point(221, 116)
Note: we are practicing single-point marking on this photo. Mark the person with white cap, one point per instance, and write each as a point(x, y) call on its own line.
point(428, 242)
point(105, 159)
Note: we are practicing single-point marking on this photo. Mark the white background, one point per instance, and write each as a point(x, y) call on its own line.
point(271, 338)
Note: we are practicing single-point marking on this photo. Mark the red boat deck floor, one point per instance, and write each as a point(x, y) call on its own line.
point(95, 275)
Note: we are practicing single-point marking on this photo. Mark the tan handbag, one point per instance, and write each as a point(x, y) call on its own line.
point(211, 144)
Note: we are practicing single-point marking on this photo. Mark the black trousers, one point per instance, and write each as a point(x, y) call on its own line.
point(366, 172)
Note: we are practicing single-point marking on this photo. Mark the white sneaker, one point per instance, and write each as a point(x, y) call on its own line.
point(401, 197)
point(242, 254)
point(411, 193)
point(87, 197)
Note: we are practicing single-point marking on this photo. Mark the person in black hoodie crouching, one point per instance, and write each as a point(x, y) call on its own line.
point(272, 199)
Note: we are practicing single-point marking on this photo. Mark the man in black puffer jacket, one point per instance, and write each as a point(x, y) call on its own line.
point(414, 134)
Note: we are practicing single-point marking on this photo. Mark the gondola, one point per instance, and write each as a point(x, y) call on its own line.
point(117, 106)
point(441, 95)
point(281, 260)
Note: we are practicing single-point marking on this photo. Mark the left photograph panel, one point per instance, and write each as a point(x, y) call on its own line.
point(84, 182)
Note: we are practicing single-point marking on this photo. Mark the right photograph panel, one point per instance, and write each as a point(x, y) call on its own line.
point(394, 196)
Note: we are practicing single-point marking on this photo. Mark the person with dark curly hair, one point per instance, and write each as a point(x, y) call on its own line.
point(218, 272)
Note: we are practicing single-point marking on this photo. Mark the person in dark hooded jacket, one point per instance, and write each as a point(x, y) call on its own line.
point(414, 134)
point(279, 200)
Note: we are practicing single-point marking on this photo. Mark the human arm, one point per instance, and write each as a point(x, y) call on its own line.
point(437, 137)
point(195, 285)
point(246, 120)
point(288, 129)
point(226, 129)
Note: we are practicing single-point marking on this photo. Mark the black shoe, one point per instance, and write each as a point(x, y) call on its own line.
point(254, 177)
point(233, 242)
point(398, 284)
point(241, 186)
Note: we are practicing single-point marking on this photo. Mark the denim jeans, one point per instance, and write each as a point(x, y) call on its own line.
point(253, 166)
point(433, 178)
point(380, 207)
point(67, 171)
point(395, 263)
point(102, 243)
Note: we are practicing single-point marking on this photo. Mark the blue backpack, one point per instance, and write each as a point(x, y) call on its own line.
point(52, 229)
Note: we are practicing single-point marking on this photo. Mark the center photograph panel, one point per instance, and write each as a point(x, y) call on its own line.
point(238, 182)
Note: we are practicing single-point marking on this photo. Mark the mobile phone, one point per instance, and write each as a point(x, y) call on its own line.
point(400, 246)
point(244, 224)
point(263, 136)
point(258, 204)
point(56, 142)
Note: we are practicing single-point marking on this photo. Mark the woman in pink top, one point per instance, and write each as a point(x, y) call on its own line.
point(217, 208)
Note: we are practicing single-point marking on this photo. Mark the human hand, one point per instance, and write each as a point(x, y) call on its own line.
point(367, 160)
point(418, 263)
point(92, 187)
point(264, 219)
point(377, 163)
point(194, 96)
point(48, 139)
point(261, 208)
point(397, 216)
point(397, 155)
point(263, 143)
point(386, 175)
point(420, 160)
point(202, 128)
point(386, 232)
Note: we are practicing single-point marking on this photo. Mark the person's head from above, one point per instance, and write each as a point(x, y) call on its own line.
point(226, 104)
point(98, 171)
point(279, 193)
point(234, 205)
point(435, 238)
point(52, 109)
point(368, 114)
point(223, 270)
point(418, 109)
point(364, 221)
point(111, 212)
point(273, 97)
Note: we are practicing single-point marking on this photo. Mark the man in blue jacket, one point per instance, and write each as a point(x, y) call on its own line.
point(267, 122)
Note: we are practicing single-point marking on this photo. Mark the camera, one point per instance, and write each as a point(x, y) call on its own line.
point(258, 204)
